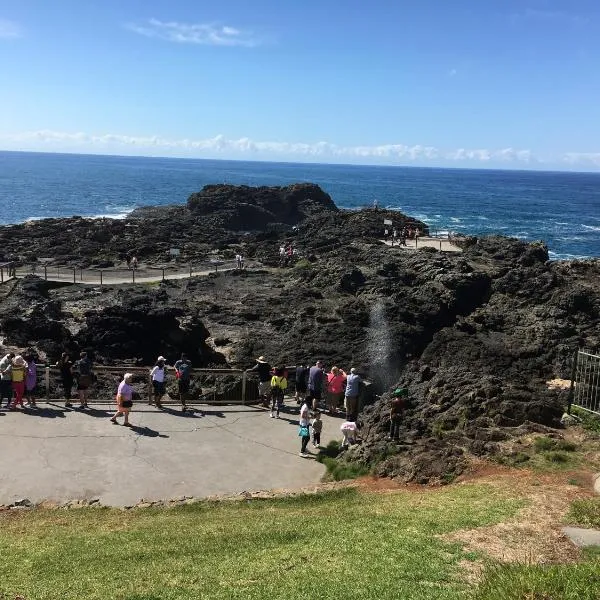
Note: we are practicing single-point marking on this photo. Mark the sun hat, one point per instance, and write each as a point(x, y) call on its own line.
point(161, 358)
point(128, 377)
point(261, 359)
point(19, 361)
point(353, 370)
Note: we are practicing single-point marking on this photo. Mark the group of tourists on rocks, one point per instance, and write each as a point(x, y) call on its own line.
point(335, 392)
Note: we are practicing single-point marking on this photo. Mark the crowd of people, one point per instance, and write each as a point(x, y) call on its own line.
point(335, 392)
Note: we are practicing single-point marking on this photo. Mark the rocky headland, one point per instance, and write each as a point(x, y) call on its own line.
point(474, 335)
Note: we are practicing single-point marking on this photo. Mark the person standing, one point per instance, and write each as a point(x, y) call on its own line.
point(278, 387)
point(18, 370)
point(396, 411)
point(134, 263)
point(316, 375)
point(317, 427)
point(353, 382)
point(124, 400)
point(65, 366)
point(157, 375)
point(6, 390)
point(336, 384)
point(301, 383)
point(85, 378)
point(263, 369)
point(183, 372)
point(303, 430)
point(30, 380)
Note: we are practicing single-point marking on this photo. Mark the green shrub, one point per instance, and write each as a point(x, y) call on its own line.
point(585, 513)
point(340, 471)
point(566, 446)
point(589, 421)
point(543, 444)
point(557, 457)
point(303, 264)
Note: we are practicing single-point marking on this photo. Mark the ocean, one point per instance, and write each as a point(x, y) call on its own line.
point(563, 209)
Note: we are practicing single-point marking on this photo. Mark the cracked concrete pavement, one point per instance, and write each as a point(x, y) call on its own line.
point(59, 454)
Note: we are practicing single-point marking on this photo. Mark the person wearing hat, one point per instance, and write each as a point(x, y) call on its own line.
point(263, 369)
point(398, 404)
point(124, 400)
point(183, 372)
point(157, 375)
point(353, 382)
point(18, 371)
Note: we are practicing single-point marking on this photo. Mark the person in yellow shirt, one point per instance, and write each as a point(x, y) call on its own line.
point(278, 387)
point(18, 370)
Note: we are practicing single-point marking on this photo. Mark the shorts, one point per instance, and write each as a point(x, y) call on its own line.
point(184, 385)
point(158, 387)
point(301, 389)
point(84, 382)
point(264, 387)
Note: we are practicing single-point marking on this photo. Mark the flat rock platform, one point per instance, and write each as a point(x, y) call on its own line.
point(60, 454)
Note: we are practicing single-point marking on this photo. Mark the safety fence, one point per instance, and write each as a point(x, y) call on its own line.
point(207, 386)
point(585, 382)
point(116, 275)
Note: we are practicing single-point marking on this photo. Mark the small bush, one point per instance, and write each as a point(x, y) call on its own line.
point(340, 471)
point(303, 264)
point(589, 420)
point(543, 444)
point(519, 458)
point(585, 513)
point(566, 446)
point(557, 457)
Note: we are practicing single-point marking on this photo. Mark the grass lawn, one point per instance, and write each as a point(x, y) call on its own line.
point(341, 544)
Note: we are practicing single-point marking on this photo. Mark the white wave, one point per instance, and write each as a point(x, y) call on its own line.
point(483, 218)
point(592, 227)
point(455, 219)
point(560, 223)
point(565, 256)
point(122, 215)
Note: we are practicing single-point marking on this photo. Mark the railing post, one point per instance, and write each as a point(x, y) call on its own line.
point(190, 269)
point(133, 275)
point(2, 274)
point(100, 277)
point(244, 377)
point(47, 382)
point(440, 245)
point(74, 275)
point(81, 274)
point(46, 272)
point(163, 274)
point(57, 272)
point(572, 387)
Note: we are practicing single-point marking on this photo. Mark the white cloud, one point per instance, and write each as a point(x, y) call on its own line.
point(209, 34)
point(582, 158)
point(9, 29)
point(220, 145)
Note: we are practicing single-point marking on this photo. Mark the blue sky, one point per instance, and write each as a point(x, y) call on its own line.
point(511, 83)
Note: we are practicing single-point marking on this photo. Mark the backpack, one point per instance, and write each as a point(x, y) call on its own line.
point(183, 370)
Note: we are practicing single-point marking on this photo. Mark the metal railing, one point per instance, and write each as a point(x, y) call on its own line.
point(142, 274)
point(207, 386)
point(585, 382)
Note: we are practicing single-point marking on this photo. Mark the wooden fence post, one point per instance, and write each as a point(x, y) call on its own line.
point(100, 277)
point(47, 382)
point(74, 276)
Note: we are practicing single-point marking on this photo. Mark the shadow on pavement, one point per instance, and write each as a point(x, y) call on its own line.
point(188, 414)
point(147, 432)
point(47, 413)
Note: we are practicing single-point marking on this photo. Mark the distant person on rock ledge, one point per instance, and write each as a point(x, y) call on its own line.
point(263, 368)
point(183, 372)
point(134, 263)
point(398, 405)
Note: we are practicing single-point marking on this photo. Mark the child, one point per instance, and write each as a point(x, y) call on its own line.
point(30, 380)
point(18, 370)
point(349, 430)
point(317, 427)
point(278, 387)
point(303, 430)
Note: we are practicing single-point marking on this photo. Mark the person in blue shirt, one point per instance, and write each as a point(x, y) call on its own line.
point(353, 382)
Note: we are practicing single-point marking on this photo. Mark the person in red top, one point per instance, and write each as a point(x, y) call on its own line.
point(336, 384)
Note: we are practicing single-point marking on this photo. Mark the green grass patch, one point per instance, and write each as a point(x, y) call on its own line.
point(585, 513)
point(307, 547)
point(557, 457)
point(589, 421)
point(543, 444)
point(535, 582)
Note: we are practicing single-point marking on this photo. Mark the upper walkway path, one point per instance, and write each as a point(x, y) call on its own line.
point(441, 244)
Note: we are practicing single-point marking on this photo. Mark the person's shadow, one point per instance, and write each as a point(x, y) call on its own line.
point(189, 414)
point(47, 413)
point(147, 432)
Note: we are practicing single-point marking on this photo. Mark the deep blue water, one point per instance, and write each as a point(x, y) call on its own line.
point(562, 209)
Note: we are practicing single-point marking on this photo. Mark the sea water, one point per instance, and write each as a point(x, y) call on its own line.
point(563, 209)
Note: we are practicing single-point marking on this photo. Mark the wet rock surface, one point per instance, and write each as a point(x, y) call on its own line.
point(474, 336)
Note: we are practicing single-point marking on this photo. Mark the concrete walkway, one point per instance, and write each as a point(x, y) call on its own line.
point(582, 537)
point(59, 454)
point(441, 244)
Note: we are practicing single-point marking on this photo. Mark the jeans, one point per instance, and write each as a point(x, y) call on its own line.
point(305, 440)
point(395, 427)
point(6, 391)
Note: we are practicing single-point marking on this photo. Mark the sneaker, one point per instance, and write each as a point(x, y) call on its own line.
point(271, 415)
point(277, 416)
point(114, 421)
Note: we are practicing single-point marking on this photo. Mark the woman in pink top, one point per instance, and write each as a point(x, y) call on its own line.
point(124, 400)
point(336, 383)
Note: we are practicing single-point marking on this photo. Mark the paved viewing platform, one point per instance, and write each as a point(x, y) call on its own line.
point(441, 244)
point(61, 454)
